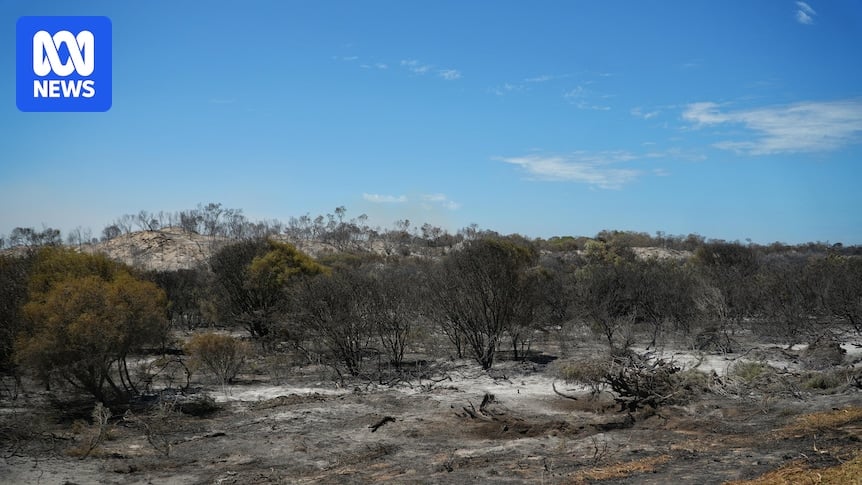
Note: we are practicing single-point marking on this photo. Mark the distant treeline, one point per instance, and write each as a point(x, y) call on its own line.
point(217, 221)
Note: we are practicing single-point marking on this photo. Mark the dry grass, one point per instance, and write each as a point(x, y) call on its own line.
point(797, 472)
point(621, 470)
point(819, 422)
point(848, 472)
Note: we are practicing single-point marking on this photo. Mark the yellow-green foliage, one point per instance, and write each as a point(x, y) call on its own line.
point(55, 264)
point(749, 371)
point(282, 263)
point(84, 315)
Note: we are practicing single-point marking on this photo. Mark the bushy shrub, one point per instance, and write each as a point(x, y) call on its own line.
point(637, 380)
point(587, 372)
point(222, 355)
point(85, 316)
point(823, 354)
point(749, 371)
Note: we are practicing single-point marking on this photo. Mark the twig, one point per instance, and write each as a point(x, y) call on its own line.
point(387, 419)
point(554, 387)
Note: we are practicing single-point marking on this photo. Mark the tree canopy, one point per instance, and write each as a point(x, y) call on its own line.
point(253, 277)
point(84, 317)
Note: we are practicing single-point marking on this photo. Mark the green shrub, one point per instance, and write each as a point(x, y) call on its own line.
point(588, 372)
point(749, 371)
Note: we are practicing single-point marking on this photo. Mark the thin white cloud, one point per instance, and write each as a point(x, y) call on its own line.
point(639, 112)
point(449, 74)
point(576, 93)
point(416, 67)
point(381, 65)
point(385, 199)
point(434, 197)
point(802, 127)
point(505, 89)
point(805, 14)
point(441, 200)
point(546, 78)
point(582, 167)
point(583, 98)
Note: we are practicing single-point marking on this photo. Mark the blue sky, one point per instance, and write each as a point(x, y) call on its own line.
point(731, 119)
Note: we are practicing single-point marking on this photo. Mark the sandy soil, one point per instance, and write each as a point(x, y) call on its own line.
point(311, 429)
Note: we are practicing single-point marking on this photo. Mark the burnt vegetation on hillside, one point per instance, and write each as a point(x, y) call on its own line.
point(375, 307)
point(373, 295)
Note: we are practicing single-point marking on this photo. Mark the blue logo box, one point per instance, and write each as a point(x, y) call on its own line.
point(63, 64)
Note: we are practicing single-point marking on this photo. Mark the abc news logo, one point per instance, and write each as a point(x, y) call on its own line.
point(64, 64)
point(46, 58)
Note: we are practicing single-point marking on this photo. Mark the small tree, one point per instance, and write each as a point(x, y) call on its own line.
point(185, 289)
point(393, 307)
point(604, 298)
point(252, 277)
point(786, 301)
point(335, 310)
point(732, 269)
point(484, 291)
point(836, 286)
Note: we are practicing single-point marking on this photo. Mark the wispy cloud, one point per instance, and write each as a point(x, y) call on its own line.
point(425, 201)
point(416, 67)
point(420, 68)
point(412, 66)
point(639, 112)
point(441, 200)
point(505, 89)
point(585, 98)
point(594, 169)
point(385, 199)
point(526, 84)
point(449, 74)
point(691, 64)
point(546, 78)
point(376, 65)
point(802, 127)
point(804, 13)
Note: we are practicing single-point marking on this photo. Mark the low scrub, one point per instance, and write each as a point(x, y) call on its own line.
point(798, 471)
point(821, 422)
point(222, 355)
point(586, 372)
point(637, 380)
point(823, 354)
